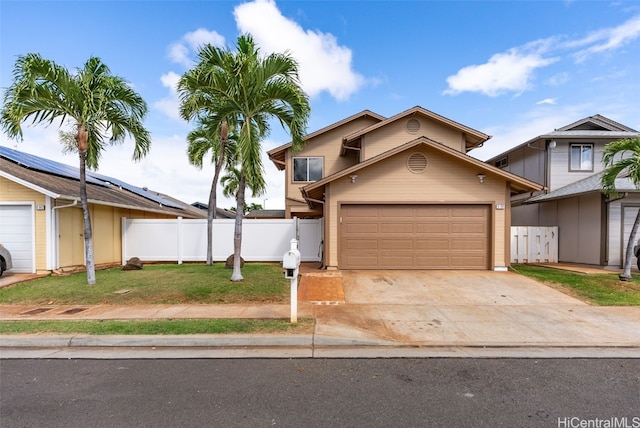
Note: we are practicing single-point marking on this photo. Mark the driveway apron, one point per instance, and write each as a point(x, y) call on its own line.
point(469, 308)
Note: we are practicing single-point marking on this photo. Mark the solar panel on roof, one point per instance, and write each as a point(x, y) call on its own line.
point(56, 168)
point(45, 165)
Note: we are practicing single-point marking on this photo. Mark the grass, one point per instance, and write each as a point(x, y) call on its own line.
point(603, 290)
point(156, 284)
point(157, 327)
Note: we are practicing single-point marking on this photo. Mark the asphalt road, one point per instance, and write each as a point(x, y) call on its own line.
point(319, 393)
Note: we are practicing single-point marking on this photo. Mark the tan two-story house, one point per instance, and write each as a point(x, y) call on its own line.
point(402, 193)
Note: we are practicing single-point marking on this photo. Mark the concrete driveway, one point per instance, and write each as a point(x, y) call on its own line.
point(469, 308)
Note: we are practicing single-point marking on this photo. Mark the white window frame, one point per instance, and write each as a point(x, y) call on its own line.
point(581, 168)
point(308, 178)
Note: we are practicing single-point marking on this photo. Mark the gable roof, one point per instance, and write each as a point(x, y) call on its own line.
point(590, 184)
point(596, 122)
point(313, 192)
point(61, 181)
point(596, 126)
point(277, 155)
point(473, 138)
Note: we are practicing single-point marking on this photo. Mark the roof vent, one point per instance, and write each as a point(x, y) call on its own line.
point(413, 125)
point(417, 163)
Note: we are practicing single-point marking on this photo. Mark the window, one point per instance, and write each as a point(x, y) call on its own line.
point(307, 169)
point(581, 157)
point(502, 162)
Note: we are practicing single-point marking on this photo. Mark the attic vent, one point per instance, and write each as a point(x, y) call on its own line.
point(413, 125)
point(417, 163)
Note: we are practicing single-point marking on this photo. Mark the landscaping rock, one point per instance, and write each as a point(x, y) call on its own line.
point(133, 263)
point(229, 263)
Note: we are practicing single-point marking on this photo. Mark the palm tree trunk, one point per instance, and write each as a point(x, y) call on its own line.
point(213, 201)
point(211, 214)
point(237, 236)
point(88, 236)
point(626, 273)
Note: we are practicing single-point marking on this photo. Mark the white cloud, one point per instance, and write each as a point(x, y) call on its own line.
point(170, 105)
point(607, 39)
point(558, 79)
point(182, 51)
point(511, 71)
point(523, 128)
point(550, 101)
point(324, 64)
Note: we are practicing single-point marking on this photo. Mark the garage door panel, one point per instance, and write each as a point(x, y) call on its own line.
point(431, 211)
point(433, 244)
point(432, 262)
point(468, 244)
point(396, 228)
point(396, 261)
point(415, 237)
point(397, 244)
point(433, 228)
point(469, 228)
point(361, 244)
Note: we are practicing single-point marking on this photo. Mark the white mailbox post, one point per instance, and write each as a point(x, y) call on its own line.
point(291, 266)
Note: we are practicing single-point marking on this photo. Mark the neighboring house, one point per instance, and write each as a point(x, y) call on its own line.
point(402, 193)
point(41, 218)
point(592, 228)
point(265, 214)
point(220, 212)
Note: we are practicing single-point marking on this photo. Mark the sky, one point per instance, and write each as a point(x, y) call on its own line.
point(511, 69)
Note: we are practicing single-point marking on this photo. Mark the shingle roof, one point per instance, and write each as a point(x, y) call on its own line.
point(61, 181)
point(586, 185)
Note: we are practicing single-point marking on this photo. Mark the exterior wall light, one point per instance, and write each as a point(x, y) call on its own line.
point(353, 178)
point(481, 177)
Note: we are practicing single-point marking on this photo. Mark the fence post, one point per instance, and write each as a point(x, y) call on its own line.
point(123, 238)
point(180, 244)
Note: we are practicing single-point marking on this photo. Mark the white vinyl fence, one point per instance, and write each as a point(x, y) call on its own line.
point(531, 244)
point(185, 240)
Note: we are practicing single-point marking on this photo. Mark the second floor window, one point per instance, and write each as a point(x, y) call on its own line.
point(307, 169)
point(581, 157)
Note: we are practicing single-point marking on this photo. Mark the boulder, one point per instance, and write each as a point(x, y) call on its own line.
point(229, 263)
point(133, 263)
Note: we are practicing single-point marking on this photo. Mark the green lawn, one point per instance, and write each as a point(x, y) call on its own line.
point(156, 284)
point(604, 290)
point(157, 327)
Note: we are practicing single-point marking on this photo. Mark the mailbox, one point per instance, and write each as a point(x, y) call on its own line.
point(290, 263)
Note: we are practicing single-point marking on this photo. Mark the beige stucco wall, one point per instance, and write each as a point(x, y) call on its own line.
point(445, 180)
point(13, 192)
point(395, 134)
point(327, 146)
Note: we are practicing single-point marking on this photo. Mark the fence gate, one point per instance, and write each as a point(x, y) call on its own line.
point(533, 244)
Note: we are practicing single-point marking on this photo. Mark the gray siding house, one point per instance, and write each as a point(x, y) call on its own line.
point(592, 229)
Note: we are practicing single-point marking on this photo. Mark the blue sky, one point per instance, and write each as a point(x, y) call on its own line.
point(511, 69)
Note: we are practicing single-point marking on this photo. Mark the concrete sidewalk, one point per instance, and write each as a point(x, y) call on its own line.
point(432, 314)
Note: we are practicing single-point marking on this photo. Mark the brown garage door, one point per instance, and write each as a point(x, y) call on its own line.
point(414, 237)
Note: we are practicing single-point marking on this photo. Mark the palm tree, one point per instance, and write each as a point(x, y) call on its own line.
point(622, 160)
point(203, 139)
point(102, 109)
point(246, 90)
